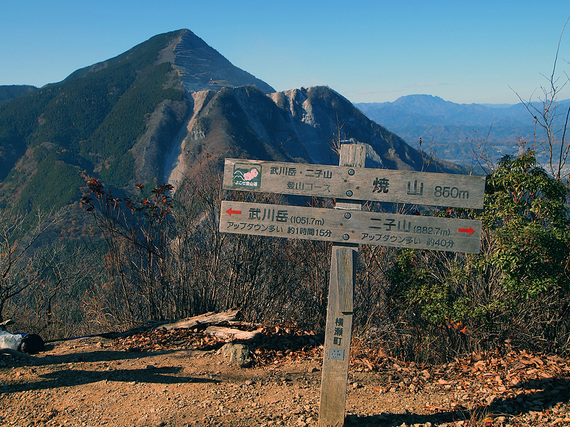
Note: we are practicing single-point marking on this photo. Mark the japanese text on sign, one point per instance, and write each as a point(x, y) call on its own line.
point(345, 182)
point(381, 229)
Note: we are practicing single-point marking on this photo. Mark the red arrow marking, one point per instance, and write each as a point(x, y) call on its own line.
point(231, 212)
point(469, 230)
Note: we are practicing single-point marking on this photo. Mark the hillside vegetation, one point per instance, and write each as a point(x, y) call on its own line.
point(86, 124)
point(8, 92)
point(160, 110)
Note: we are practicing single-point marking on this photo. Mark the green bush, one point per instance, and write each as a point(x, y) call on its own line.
point(525, 209)
point(516, 292)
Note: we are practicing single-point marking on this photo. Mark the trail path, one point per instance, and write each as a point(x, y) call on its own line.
point(178, 378)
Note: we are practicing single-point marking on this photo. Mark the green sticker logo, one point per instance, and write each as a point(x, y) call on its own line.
point(247, 175)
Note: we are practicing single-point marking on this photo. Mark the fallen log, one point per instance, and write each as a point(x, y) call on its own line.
point(210, 318)
point(231, 333)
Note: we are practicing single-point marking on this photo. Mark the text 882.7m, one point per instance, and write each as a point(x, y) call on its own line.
point(437, 231)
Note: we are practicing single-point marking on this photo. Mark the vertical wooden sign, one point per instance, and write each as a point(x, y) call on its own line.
point(338, 329)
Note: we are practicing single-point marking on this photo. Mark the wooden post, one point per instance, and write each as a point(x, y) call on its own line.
point(338, 329)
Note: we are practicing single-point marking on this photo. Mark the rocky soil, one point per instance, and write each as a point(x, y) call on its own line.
point(181, 378)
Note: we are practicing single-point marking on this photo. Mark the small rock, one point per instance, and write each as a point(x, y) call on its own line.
point(237, 353)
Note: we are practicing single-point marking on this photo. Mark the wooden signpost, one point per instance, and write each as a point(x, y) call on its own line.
point(347, 226)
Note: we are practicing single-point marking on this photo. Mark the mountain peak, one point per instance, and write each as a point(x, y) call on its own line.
point(168, 105)
point(202, 67)
point(428, 102)
point(420, 97)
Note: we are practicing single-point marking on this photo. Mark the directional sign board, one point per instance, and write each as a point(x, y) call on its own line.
point(344, 182)
point(348, 224)
point(371, 228)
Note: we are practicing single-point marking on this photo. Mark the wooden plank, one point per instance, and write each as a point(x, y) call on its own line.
point(355, 183)
point(340, 305)
point(232, 334)
point(209, 318)
point(350, 226)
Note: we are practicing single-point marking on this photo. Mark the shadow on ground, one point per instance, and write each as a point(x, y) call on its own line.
point(75, 377)
point(549, 393)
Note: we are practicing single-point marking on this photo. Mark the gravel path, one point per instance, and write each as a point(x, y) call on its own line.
point(95, 382)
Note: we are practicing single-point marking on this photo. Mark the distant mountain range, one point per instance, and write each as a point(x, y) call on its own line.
point(453, 131)
point(159, 111)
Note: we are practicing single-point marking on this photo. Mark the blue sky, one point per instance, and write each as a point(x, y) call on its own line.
point(369, 51)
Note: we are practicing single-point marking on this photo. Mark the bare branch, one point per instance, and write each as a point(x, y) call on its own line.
point(545, 114)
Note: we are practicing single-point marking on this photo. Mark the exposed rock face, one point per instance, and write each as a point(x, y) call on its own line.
point(150, 148)
point(201, 67)
point(158, 111)
point(301, 125)
point(231, 113)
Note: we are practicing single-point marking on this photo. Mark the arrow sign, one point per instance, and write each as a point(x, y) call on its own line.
point(358, 227)
point(469, 230)
point(231, 212)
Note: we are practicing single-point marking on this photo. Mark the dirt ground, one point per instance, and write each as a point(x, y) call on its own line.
point(141, 381)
